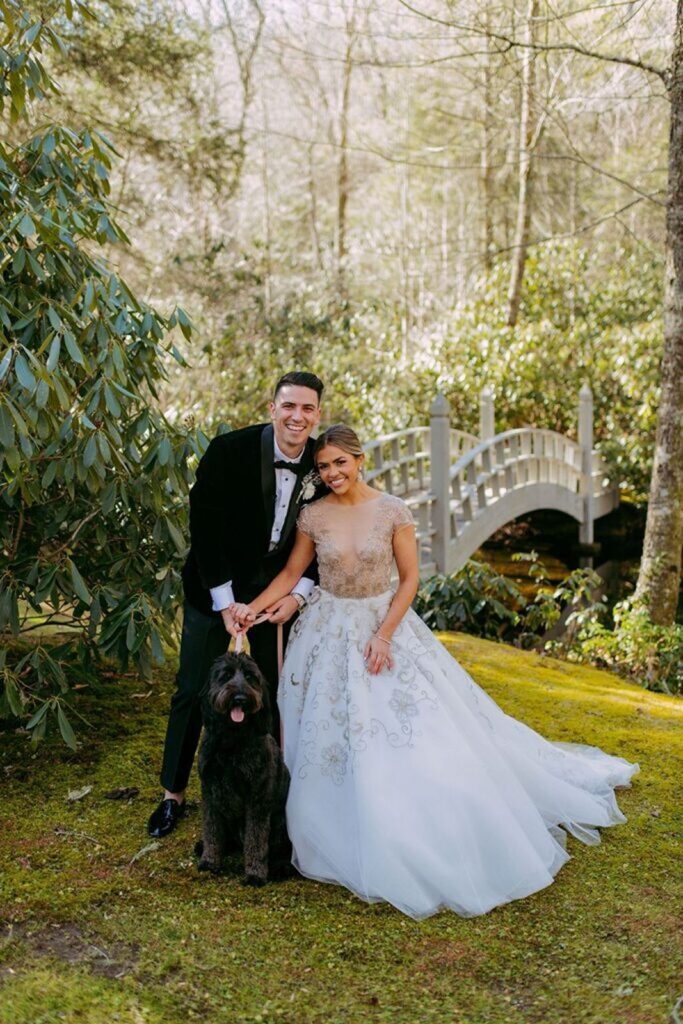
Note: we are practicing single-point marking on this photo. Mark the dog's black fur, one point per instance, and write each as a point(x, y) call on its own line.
point(244, 779)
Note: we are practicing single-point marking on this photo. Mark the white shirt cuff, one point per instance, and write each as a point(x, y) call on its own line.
point(222, 596)
point(304, 587)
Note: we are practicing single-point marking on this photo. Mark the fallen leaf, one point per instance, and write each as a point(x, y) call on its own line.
point(77, 794)
point(150, 848)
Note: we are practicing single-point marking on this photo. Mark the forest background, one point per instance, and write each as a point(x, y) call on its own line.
point(399, 198)
point(337, 185)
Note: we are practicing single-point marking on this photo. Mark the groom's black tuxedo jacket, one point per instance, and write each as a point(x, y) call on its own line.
point(232, 507)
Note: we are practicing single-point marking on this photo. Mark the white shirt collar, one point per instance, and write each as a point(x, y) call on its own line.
point(279, 454)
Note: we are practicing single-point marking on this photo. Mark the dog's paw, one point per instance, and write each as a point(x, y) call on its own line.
point(208, 865)
point(256, 880)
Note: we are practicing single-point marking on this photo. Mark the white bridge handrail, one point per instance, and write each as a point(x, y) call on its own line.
point(462, 488)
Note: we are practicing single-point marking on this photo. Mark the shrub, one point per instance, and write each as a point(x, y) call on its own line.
point(476, 600)
point(93, 478)
point(479, 601)
point(637, 648)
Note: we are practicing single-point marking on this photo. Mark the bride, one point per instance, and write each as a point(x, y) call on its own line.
point(409, 784)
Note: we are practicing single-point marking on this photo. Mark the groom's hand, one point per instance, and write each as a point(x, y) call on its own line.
point(243, 615)
point(232, 627)
point(283, 609)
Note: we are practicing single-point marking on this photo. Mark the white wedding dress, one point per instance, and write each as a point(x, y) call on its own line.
point(412, 786)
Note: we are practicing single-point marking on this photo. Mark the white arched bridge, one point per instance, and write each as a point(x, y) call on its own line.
point(462, 488)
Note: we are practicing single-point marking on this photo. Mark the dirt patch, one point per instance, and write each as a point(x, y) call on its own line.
point(436, 955)
point(68, 943)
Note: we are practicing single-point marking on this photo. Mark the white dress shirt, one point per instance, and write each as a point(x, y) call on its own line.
point(285, 482)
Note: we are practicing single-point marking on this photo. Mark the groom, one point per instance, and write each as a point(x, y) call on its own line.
point(250, 486)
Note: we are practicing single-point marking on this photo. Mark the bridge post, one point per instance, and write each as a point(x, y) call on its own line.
point(586, 444)
point(440, 450)
point(487, 425)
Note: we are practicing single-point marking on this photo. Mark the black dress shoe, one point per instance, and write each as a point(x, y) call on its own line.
point(165, 818)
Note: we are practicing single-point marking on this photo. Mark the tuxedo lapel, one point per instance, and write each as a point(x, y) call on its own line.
point(268, 477)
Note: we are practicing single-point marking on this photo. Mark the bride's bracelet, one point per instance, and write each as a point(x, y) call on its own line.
point(382, 638)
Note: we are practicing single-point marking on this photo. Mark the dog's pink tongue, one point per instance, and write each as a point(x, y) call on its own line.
point(237, 714)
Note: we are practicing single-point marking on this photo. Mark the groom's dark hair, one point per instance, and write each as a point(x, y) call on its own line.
point(302, 380)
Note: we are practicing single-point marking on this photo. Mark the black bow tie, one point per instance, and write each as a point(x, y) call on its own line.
point(293, 467)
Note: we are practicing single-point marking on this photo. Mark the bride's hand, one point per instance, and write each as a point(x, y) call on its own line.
point(378, 655)
point(242, 613)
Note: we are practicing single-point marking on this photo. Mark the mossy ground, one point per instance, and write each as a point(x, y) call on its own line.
point(91, 934)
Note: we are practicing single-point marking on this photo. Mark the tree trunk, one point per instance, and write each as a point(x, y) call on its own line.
point(486, 169)
point(267, 232)
point(404, 267)
point(343, 166)
point(521, 237)
point(313, 196)
point(660, 568)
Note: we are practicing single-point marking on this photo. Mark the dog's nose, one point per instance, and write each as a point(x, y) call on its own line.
point(239, 700)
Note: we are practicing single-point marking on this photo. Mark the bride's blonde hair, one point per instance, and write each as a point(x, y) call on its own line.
point(342, 437)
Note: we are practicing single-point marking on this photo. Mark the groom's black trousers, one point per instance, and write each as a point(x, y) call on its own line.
point(204, 638)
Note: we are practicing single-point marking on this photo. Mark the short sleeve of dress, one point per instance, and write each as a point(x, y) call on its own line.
point(403, 517)
point(305, 521)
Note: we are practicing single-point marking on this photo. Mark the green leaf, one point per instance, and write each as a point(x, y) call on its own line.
point(105, 450)
point(108, 498)
point(67, 732)
point(90, 453)
point(26, 227)
point(13, 697)
point(176, 535)
point(49, 474)
point(54, 318)
point(32, 33)
point(18, 420)
point(6, 428)
point(42, 394)
point(164, 452)
point(61, 393)
point(157, 649)
point(73, 349)
point(4, 364)
point(12, 458)
point(111, 401)
point(19, 261)
point(130, 634)
point(39, 732)
point(79, 583)
point(36, 267)
point(53, 357)
point(23, 372)
point(39, 715)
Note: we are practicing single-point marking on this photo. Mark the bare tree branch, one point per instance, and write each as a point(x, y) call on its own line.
point(509, 43)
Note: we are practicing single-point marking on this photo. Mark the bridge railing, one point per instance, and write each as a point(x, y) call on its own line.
point(451, 479)
point(400, 463)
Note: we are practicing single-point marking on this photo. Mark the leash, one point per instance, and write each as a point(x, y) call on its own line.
point(239, 640)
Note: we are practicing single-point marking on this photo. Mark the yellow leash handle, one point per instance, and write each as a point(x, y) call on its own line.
point(239, 640)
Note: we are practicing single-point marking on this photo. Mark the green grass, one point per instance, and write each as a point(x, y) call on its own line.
point(88, 934)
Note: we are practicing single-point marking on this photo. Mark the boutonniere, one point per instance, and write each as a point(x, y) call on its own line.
point(309, 485)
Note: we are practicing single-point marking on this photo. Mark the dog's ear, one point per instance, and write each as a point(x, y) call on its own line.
point(263, 718)
point(215, 676)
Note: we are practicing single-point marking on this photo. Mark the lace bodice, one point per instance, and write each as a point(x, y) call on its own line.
point(354, 542)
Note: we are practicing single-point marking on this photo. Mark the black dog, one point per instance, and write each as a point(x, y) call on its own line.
point(244, 779)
